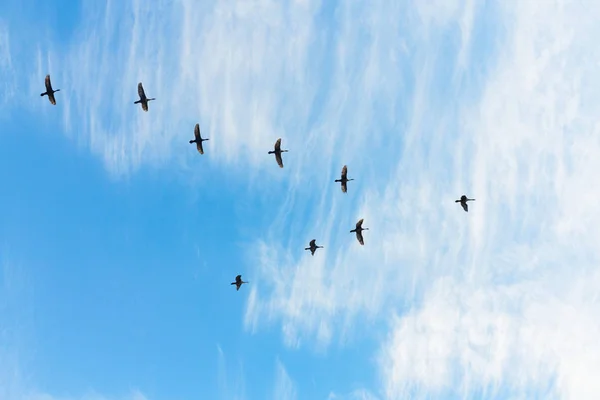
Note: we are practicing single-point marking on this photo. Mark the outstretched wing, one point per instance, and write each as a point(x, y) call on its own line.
point(279, 160)
point(359, 223)
point(360, 239)
point(48, 84)
point(238, 279)
point(199, 147)
point(313, 243)
point(141, 92)
point(197, 132)
point(344, 187)
point(344, 172)
point(464, 206)
point(278, 145)
point(145, 106)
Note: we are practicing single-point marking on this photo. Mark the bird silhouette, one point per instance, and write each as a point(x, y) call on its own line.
point(238, 282)
point(344, 179)
point(313, 247)
point(198, 139)
point(277, 151)
point(49, 92)
point(359, 230)
point(143, 99)
point(463, 202)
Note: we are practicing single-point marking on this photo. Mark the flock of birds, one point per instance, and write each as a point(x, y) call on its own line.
point(276, 150)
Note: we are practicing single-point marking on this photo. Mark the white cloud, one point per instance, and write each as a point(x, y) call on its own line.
point(7, 83)
point(285, 388)
point(501, 299)
point(233, 388)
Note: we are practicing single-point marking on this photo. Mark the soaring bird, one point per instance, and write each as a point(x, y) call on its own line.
point(463, 202)
point(143, 99)
point(359, 230)
point(238, 282)
point(277, 151)
point(313, 247)
point(49, 91)
point(198, 139)
point(344, 179)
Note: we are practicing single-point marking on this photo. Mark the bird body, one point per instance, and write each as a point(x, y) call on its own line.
point(344, 179)
point(238, 282)
point(313, 247)
point(143, 99)
point(359, 230)
point(198, 139)
point(277, 151)
point(49, 92)
point(463, 202)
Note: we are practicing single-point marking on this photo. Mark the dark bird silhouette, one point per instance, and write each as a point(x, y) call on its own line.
point(277, 151)
point(143, 99)
point(463, 202)
point(359, 230)
point(313, 247)
point(49, 92)
point(344, 179)
point(238, 282)
point(198, 139)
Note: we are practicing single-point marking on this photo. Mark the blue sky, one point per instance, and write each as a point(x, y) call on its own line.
point(118, 241)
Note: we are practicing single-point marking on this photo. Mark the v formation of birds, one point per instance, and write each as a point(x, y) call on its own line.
point(312, 246)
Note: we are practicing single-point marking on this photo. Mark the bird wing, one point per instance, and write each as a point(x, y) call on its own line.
point(145, 105)
point(344, 172)
point(52, 98)
point(278, 145)
point(199, 147)
point(344, 187)
point(359, 223)
point(238, 278)
point(141, 91)
point(197, 132)
point(279, 160)
point(464, 206)
point(360, 239)
point(313, 243)
point(48, 84)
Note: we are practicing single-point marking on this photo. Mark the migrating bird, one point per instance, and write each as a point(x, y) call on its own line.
point(277, 151)
point(463, 202)
point(359, 230)
point(143, 99)
point(313, 247)
point(49, 91)
point(198, 139)
point(238, 282)
point(344, 179)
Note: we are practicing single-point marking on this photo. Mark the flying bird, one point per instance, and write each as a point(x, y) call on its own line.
point(143, 99)
point(463, 202)
point(313, 247)
point(198, 139)
point(359, 230)
point(344, 179)
point(277, 151)
point(49, 91)
point(238, 282)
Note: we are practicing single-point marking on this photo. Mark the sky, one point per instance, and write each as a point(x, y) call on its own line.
point(118, 241)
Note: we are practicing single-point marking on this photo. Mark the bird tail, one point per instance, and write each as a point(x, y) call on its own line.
point(57, 90)
point(151, 99)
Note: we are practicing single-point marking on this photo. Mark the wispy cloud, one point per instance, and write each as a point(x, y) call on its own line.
point(502, 299)
point(229, 388)
point(285, 389)
point(7, 76)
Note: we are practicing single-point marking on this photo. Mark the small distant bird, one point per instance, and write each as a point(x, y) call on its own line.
point(143, 99)
point(49, 91)
point(344, 179)
point(198, 139)
point(313, 247)
point(238, 282)
point(359, 230)
point(277, 151)
point(463, 202)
